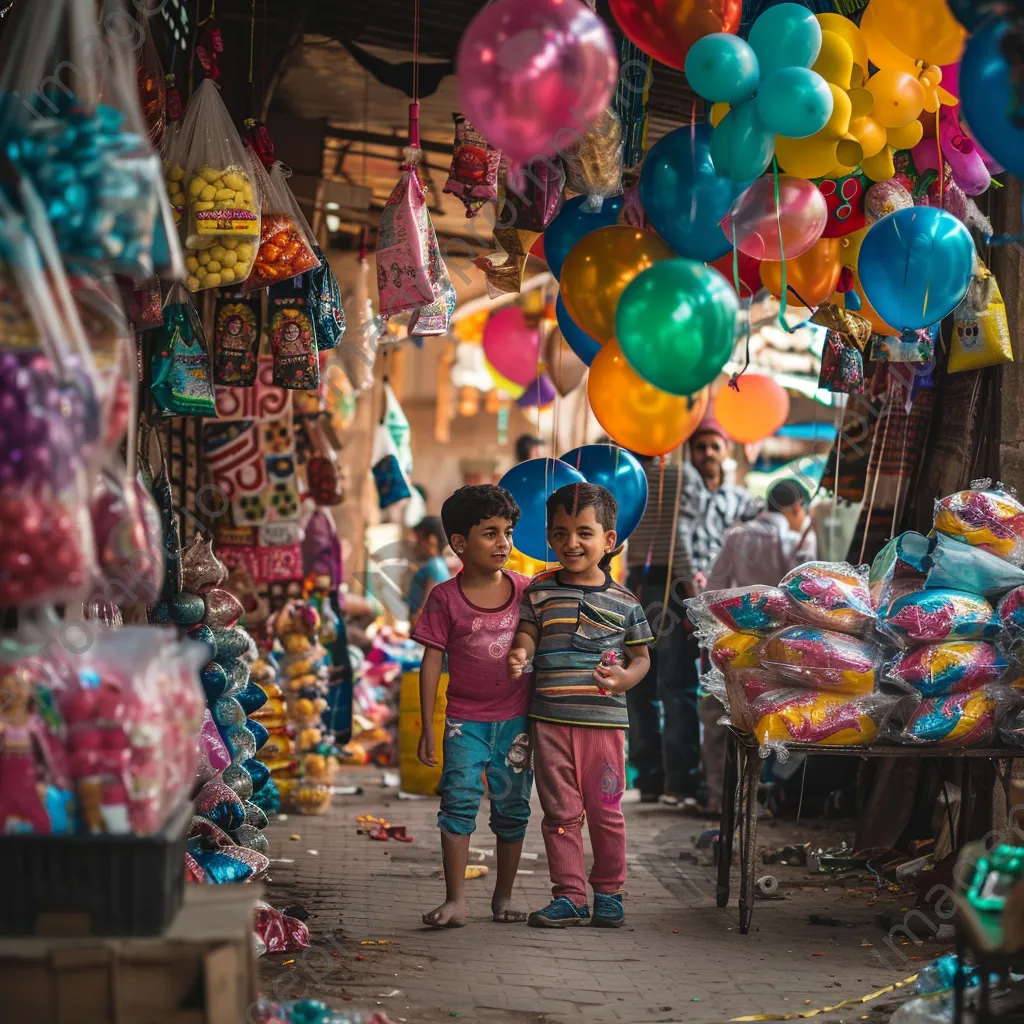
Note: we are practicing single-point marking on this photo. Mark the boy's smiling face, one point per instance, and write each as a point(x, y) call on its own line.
point(488, 545)
point(579, 541)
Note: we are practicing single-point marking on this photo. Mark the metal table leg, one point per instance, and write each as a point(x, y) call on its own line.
point(728, 825)
point(750, 777)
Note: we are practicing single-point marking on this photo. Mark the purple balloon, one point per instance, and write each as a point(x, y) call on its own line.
point(538, 393)
point(535, 74)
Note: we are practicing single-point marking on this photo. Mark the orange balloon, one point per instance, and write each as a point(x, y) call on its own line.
point(849, 251)
point(597, 270)
point(637, 415)
point(899, 97)
point(810, 278)
point(754, 412)
point(924, 30)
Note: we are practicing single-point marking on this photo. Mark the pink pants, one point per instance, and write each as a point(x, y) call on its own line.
point(580, 772)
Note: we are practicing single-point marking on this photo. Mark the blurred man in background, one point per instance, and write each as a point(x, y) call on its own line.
point(528, 447)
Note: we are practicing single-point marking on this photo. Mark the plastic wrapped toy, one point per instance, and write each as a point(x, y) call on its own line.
point(822, 660)
point(990, 519)
point(738, 690)
point(960, 719)
point(1010, 614)
point(931, 616)
point(899, 568)
point(954, 565)
point(735, 650)
point(803, 716)
point(833, 595)
point(755, 609)
point(957, 666)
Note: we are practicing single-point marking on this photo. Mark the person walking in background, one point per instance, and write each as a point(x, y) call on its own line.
point(528, 446)
point(760, 551)
point(430, 544)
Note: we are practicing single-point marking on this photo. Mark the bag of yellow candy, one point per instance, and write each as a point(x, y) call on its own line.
point(223, 224)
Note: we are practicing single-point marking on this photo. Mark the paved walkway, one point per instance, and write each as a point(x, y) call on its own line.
point(680, 959)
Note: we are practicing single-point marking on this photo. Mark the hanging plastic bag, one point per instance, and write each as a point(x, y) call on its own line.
point(504, 268)
point(286, 246)
point(293, 341)
point(223, 206)
point(322, 471)
point(473, 175)
point(358, 352)
point(151, 87)
point(236, 340)
point(324, 298)
point(392, 485)
point(982, 335)
point(533, 195)
point(594, 163)
point(182, 378)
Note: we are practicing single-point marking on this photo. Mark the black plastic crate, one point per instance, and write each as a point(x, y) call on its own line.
point(93, 884)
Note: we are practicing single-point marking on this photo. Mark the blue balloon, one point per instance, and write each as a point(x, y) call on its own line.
point(985, 96)
point(915, 266)
point(741, 145)
point(794, 102)
point(618, 471)
point(531, 483)
point(579, 341)
point(574, 221)
point(683, 195)
point(785, 36)
point(722, 68)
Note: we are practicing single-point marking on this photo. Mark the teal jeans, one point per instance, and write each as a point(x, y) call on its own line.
point(499, 752)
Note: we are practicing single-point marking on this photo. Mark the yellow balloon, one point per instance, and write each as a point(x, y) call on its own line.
point(816, 155)
point(879, 167)
point(718, 111)
point(924, 30)
point(906, 137)
point(899, 97)
point(525, 565)
point(510, 387)
point(637, 415)
point(870, 134)
point(845, 28)
point(835, 60)
point(597, 270)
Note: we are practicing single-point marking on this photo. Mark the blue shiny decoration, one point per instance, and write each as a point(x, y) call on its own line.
point(575, 220)
point(227, 712)
point(684, 196)
point(258, 731)
point(240, 740)
point(617, 470)
point(218, 866)
point(252, 697)
point(259, 771)
point(915, 266)
point(741, 145)
point(577, 339)
point(987, 96)
point(530, 483)
point(215, 681)
point(267, 797)
point(202, 634)
point(722, 68)
point(231, 643)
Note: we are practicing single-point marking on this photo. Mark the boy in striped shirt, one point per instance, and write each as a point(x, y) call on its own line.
point(587, 638)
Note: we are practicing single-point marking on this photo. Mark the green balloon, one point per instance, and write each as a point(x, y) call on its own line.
point(676, 323)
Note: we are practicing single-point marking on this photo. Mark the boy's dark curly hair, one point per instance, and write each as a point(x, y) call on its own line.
point(574, 498)
point(469, 505)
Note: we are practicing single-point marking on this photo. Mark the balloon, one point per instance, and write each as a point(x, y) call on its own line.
point(676, 325)
point(786, 35)
point(958, 150)
point(532, 72)
point(758, 223)
point(619, 472)
point(835, 61)
point(524, 565)
point(748, 271)
point(722, 68)
point(565, 368)
point(915, 266)
point(795, 102)
point(986, 96)
point(531, 483)
point(838, 25)
point(741, 146)
point(810, 278)
point(511, 345)
point(925, 30)
point(537, 249)
point(636, 414)
point(683, 195)
point(899, 98)
point(574, 221)
point(849, 252)
point(598, 268)
point(754, 412)
point(579, 341)
point(666, 29)
point(510, 387)
point(538, 393)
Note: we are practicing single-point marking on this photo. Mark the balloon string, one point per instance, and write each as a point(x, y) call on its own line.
point(675, 533)
point(657, 531)
point(733, 383)
point(782, 251)
point(942, 169)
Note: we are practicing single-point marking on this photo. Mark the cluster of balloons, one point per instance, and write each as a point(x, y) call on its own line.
point(531, 482)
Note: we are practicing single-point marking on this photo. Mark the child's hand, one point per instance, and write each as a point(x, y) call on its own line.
point(612, 678)
point(425, 750)
point(517, 659)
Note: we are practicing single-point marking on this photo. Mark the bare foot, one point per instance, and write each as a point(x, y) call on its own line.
point(448, 915)
point(502, 912)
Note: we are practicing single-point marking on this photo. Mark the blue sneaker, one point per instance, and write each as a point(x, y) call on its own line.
point(560, 913)
point(608, 911)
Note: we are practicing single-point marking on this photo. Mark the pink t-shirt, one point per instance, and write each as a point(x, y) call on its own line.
point(477, 642)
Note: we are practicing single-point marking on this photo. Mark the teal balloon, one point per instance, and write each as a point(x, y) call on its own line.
point(785, 36)
point(741, 146)
point(795, 102)
point(722, 68)
point(676, 323)
point(577, 339)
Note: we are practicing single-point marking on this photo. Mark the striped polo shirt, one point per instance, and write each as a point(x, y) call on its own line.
point(577, 625)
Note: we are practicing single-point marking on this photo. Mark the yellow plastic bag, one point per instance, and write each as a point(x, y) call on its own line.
point(417, 777)
point(982, 335)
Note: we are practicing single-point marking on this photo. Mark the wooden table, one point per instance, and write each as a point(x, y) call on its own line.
point(739, 800)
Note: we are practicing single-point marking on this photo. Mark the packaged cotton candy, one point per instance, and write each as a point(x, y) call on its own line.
point(957, 720)
point(739, 689)
point(833, 595)
point(957, 566)
point(735, 650)
point(986, 518)
point(822, 660)
point(1011, 727)
point(931, 616)
point(1010, 614)
point(937, 670)
point(806, 716)
point(756, 609)
point(898, 569)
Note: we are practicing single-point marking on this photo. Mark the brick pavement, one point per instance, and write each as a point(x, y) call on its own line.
point(680, 958)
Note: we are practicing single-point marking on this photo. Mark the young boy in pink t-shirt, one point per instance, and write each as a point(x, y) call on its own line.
point(472, 618)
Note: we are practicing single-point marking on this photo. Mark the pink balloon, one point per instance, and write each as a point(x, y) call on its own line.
point(959, 150)
point(511, 346)
point(757, 224)
point(535, 74)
